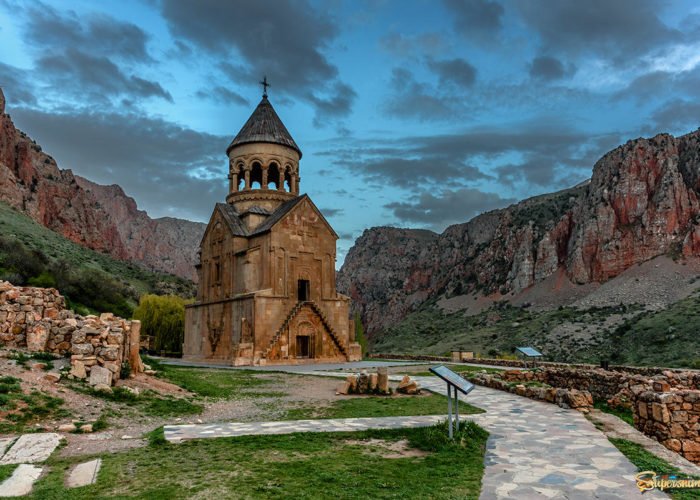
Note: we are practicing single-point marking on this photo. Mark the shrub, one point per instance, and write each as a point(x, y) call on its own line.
point(360, 334)
point(163, 318)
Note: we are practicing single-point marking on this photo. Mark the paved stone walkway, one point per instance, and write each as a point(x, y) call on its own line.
point(535, 449)
point(178, 433)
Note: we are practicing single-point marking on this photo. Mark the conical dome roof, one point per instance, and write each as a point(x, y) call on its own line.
point(264, 126)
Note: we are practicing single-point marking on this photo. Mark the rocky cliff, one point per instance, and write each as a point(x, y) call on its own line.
point(102, 218)
point(641, 202)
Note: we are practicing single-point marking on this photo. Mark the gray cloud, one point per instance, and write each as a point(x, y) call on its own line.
point(677, 115)
point(413, 99)
point(403, 45)
point(222, 95)
point(17, 86)
point(76, 72)
point(50, 29)
point(620, 30)
point(476, 18)
point(285, 40)
point(417, 173)
point(447, 207)
point(331, 212)
point(454, 71)
point(549, 68)
point(157, 162)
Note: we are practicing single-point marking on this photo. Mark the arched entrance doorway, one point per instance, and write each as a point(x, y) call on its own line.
point(304, 340)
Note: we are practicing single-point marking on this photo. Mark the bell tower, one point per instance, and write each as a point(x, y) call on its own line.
point(263, 163)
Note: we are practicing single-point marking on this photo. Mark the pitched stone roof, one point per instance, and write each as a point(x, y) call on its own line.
point(277, 215)
point(232, 219)
point(264, 126)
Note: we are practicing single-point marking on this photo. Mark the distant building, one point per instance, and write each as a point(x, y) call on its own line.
point(267, 292)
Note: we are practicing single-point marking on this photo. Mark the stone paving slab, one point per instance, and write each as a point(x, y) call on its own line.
point(21, 481)
point(84, 474)
point(31, 448)
point(179, 433)
point(4, 445)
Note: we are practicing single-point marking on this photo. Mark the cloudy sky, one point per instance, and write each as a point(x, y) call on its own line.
point(411, 113)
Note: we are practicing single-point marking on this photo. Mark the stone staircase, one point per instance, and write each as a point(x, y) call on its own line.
point(292, 313)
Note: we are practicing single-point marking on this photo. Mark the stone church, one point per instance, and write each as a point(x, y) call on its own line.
point(267, 292)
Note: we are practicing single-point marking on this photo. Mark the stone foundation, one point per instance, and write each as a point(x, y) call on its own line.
point(36, 319)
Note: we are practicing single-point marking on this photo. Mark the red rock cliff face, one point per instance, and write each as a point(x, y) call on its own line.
point(102, 218)
point(641, 202)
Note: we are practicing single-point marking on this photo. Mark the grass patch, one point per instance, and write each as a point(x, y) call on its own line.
point(645, 460)
point(381, 406)
point(624, 414)
point(6, 471)
point(148, 402)
point(213, 383)
point(302, 466)
point(460, 369)
point(18, 410)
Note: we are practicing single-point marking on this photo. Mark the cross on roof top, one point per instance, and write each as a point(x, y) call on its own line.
point(265, 85)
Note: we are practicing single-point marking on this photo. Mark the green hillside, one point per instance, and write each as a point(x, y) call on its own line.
point(31, 254)
point(668, 337)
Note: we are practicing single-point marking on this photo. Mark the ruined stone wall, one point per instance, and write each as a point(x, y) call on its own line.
point(517, 363)
point(673, 418)
point(36, 319)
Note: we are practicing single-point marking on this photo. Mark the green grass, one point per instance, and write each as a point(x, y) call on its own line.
point(381, 406)
point(6, 471)
point(147, 402)
point(647, 461)
point(20, 410)
point(624, 414)
point(299, 466)
point(461, 368)
point(215, 383)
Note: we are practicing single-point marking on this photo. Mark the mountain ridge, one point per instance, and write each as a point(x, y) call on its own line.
point(641, 202)
point(102, 218)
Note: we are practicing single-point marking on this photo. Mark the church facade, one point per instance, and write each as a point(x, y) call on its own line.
point(267, 292)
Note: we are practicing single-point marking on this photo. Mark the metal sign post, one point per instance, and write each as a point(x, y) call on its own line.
point(454, 383)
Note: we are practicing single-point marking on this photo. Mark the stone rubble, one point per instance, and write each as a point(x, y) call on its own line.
point(37, 319)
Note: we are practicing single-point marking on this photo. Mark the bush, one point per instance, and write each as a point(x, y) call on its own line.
point(163, 318)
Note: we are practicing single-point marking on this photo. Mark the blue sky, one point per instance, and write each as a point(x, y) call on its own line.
point(409, 113)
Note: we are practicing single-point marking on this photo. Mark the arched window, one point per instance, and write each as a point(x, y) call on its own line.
point(256, 176)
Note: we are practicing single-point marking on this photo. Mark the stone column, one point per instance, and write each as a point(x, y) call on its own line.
point(134, 343)
point(280, 187)
point(294, 188)
point(247, 180)
point(234, 182)
point(263, 184)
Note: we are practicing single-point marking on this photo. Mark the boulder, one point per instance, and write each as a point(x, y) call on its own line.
point(408, 386)
point(343, 388)
point(67, 428)
point(37, 336)
point(78, 369)
point(100, 376)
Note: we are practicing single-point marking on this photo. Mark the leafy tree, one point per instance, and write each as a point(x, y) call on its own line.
point(360, 334)
point(163, 318)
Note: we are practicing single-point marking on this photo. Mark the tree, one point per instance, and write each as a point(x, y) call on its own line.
point(163, 318)
point(360, 334)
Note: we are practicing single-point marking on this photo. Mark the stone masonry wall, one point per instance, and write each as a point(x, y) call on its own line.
point(36, 319)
